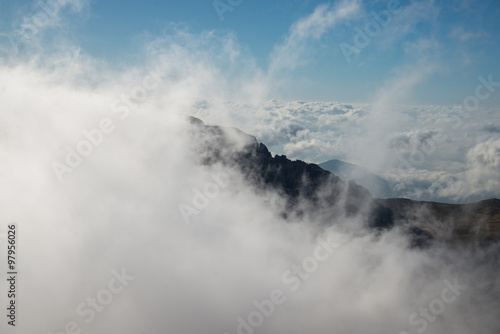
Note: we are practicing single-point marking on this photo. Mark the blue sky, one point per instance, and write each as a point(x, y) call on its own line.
point(458, 40)
point(98, 159)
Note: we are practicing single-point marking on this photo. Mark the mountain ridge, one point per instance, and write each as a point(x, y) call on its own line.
point(314, 192)
point(377, 185)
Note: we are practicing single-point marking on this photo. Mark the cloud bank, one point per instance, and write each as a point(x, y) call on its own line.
point(107, 249)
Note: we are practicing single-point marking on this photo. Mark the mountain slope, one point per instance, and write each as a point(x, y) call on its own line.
point(347, 171)
point(310, 191)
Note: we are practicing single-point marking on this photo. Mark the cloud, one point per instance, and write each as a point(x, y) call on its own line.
point(482, 172)
point(404, 22)
point(462, 35)
point(386, 139)
point(418, 140)
point(48, 13)
point(490, 128)
point(290, 54)
point(119, 208)
point(42, 28)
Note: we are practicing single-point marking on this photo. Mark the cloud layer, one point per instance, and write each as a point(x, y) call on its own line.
point(114, 220)
point(420, 150)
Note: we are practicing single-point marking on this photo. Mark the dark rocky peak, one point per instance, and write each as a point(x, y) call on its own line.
point(308, 189)
point(322, 197)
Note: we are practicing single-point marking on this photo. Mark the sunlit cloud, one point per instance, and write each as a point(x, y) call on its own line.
point(106, 243)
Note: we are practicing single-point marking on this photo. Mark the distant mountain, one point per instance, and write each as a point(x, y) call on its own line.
point(308, 189)
point(322, 197)
point(479, 221)
point(378, 186)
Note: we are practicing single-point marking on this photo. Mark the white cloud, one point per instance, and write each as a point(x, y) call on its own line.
point(378, 138)
point(481, 176)
point(290, 54)
point(48, 13)
point(404, 23)
point(462, 35)
point(119, 208)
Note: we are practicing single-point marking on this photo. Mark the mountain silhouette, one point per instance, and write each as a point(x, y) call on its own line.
point(377, 186)
point(312, 192)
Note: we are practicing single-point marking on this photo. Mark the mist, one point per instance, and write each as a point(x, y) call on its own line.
point(122, 230)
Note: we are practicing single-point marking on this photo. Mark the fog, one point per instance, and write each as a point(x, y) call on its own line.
point(105, 227)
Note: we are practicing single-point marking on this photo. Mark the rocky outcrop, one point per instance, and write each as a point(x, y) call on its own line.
point(309, 191)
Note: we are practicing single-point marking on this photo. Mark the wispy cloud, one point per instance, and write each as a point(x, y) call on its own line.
point(289, 54)
point(120, 208)
point(48, 13)
point(405, 22)
point(462, 35)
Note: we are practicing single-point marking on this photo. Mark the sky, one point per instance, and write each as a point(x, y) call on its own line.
point(98, 162)
point(312, 80)
point(456, 40)
point(407, 89)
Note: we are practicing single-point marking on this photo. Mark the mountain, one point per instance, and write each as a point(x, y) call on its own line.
point(479, 221)
point(321, 196)
point(346, 171)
